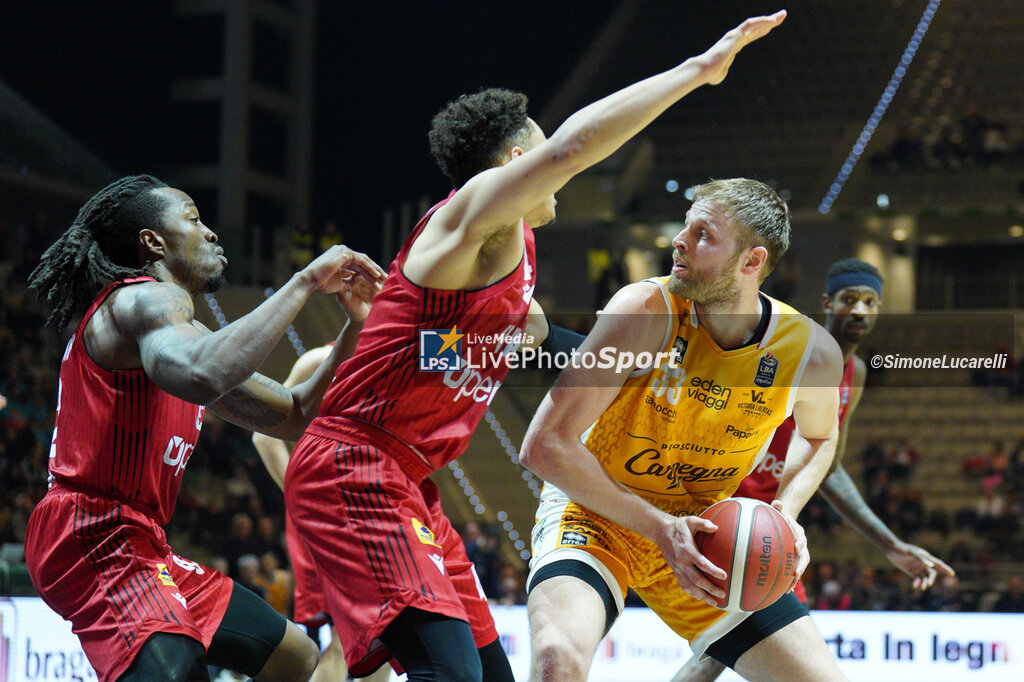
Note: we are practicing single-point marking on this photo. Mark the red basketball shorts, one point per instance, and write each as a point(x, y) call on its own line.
point(108, 569)
point(310, 606)
point(380, 543)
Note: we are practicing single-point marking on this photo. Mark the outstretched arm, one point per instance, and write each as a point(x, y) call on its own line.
point(634, 320)
point(261, 404)
point(502, 195)
point(188, 361)
point(841, 493)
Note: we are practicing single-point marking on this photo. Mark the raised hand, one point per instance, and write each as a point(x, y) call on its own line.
point(356, 296)
point(719, 57)
point(919, 564)
point(333, 269)
point(690, 566)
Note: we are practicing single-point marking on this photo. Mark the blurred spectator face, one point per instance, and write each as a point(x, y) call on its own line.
point(268, 563)
point(248, 568)
point(266, 527)
point(1015, 585)
point(220, 564)
point(241, 526)
point(471, 532)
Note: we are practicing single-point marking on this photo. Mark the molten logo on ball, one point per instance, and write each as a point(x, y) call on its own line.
point(765, 560)
point(755, 546)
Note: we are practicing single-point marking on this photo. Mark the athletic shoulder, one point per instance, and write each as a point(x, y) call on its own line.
point(646, 297)
point(825, 364)
point(150, 305)
point(307, 364)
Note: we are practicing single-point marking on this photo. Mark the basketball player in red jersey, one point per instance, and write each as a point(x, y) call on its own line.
point(310, 610)
point(853, 295)
point(134, 381)
point(396, 576)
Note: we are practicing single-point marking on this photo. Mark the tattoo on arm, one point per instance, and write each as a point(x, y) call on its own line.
point(254, 409)
point(162, 305)
point(851, 504)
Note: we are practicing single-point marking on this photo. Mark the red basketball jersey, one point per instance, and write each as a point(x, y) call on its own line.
point(381, 393)
point(117, 434)
point(763, 482)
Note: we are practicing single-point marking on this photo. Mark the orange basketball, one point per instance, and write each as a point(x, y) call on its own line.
point(754, 545)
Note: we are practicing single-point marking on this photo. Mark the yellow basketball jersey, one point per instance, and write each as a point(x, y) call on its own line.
point(683, 433)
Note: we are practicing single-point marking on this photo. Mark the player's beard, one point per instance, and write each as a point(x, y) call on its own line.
point(215, 283)
point(708, 289)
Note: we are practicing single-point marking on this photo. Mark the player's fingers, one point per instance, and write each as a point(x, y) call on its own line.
point(365, 264)
point(942, 567)
point(699, 525)
point(705, 565)
point(802, 561)
point(698, 586)
point(928, 579)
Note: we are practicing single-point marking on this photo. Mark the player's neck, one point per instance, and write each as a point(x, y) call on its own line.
point(732, 324)
point(163, 274)
point(848, 349)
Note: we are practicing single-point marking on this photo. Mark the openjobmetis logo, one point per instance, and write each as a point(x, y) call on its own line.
point(440, 350)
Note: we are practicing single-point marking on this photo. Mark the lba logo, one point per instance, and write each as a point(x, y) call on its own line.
point(440, 350)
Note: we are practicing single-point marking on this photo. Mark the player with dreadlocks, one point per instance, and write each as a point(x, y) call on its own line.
point(135, 380)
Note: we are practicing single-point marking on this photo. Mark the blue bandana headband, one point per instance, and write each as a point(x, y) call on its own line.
point(853, 279)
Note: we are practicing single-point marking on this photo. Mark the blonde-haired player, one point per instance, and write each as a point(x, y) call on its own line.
point(631, 458)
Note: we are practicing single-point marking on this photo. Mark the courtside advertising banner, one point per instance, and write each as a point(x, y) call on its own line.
point(36, 644)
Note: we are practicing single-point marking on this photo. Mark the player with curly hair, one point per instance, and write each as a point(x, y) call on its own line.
point(135, 381)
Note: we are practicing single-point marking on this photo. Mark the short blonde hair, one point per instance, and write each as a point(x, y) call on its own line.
point(757, 209)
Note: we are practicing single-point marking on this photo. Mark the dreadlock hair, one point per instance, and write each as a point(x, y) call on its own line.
point(470, 134)
point(101, 246)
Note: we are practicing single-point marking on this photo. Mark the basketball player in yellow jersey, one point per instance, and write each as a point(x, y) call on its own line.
point(631, 458)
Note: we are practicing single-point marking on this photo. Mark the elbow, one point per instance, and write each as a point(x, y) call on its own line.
point(537, 453)
point(568, 147)
point(201, 385)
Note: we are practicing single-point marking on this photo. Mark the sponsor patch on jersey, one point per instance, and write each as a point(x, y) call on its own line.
point(573, 538)
point(440, 350)
point(679, 347)
point(766, 369)
point(165, 576)
point(424, 534)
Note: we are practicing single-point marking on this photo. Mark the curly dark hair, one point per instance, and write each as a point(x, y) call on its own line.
point(101, 246)
point(471, 133)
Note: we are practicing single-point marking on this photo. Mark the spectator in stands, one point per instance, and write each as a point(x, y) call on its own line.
point(901, 461)
point(973, 125)
point(948, 150)
point(866, 593)
point(269, 540)
point(944, 596)
point(482, 550)
point(300, 247)
point(990, 508)
point(872, 462)
point(1011, 600)
point(997, 464)
point(511, 587)
point(248, 574)
point(833, 597)
point(240, 543)
point(276, 583)
point(329, 236)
